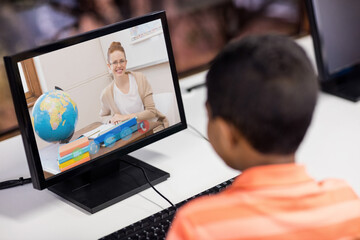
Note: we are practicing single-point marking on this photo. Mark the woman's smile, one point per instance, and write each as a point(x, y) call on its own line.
point(119, 70)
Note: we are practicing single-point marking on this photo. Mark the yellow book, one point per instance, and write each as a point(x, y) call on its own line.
point(74, 160)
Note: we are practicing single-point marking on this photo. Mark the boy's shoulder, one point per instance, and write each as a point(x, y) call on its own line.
point(306, 205)
point(205, 209)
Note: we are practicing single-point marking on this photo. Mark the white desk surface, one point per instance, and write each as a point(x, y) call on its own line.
point(330, 149)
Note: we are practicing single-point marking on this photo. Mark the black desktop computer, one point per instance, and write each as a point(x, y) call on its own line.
point(85, 102)
point(336, 37)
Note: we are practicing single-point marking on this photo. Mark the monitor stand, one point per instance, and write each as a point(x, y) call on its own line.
point(106, 185)
point(346, 86)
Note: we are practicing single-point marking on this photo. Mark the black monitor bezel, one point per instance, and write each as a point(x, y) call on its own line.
point(320, 55)
point(316, 37)
point(21, 108)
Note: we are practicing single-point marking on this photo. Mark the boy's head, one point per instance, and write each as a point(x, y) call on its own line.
point(262, 92)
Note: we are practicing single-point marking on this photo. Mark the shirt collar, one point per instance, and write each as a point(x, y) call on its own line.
point(272, 175)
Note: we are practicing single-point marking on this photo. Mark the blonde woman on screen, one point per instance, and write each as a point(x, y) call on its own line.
point(129, 94)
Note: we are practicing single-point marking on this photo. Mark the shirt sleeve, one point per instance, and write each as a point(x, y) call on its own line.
point(105, 111)
point(146, 95)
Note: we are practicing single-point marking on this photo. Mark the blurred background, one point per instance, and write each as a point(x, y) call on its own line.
point(198, 29)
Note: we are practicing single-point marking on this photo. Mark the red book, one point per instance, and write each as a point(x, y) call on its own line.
point(71, 146)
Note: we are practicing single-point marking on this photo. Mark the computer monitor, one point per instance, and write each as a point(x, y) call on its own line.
point(336, 42)
point(85, 102)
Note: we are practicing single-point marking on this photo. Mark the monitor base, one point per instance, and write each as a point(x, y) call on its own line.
point(347, 87)
point(96, 190)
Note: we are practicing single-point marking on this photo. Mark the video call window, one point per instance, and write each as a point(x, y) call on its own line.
point(101, 95)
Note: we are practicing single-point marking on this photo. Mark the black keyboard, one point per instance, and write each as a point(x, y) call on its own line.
point(157, 225)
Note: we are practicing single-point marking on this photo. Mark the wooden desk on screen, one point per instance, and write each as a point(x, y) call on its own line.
point(49, 154)
point(118, 144)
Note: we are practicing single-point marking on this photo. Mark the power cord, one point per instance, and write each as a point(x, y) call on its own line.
point(14, 183)
point(147, 179)
point(198, 132)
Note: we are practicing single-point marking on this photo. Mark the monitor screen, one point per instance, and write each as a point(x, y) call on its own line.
point(338, 33)
point(84, 101)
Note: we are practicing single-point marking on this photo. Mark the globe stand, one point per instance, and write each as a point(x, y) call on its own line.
point(58, 88)
point(67, 140)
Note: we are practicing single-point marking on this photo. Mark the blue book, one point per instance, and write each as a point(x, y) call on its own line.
point(72, 155)
point(121, 135)
point(117, 130)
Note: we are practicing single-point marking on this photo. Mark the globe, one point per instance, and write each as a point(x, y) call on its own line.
point(54, 116)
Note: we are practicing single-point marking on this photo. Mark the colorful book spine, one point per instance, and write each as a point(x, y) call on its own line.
point(74, 154)
point(73, 160)
point(72, 146)
point(76, 163)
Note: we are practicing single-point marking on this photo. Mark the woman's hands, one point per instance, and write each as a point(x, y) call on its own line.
point(118, 118)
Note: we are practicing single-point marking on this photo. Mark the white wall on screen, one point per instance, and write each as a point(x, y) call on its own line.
point(159, 76)
point(148, 52)
point(23, 79)
point(40, 75)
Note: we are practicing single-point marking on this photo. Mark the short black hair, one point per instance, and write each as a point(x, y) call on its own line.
point(267, 88)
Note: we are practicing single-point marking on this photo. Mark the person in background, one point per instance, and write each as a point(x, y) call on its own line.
point(129, 95)
point(262, 92)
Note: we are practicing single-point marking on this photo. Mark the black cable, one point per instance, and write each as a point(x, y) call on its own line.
point(14, 183)
point(196, 86)
point(147, 179)
point(198, 132)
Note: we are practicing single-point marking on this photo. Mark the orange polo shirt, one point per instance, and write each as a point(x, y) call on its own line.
point(272, 202)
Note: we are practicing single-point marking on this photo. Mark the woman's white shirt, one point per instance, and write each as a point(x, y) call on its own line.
point(130, 102)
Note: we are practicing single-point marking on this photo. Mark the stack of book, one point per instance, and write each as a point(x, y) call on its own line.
point(73, 153)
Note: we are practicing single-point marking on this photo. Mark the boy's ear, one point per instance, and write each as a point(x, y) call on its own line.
point(230, 135)
point(226, 130)
point(208, 109)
